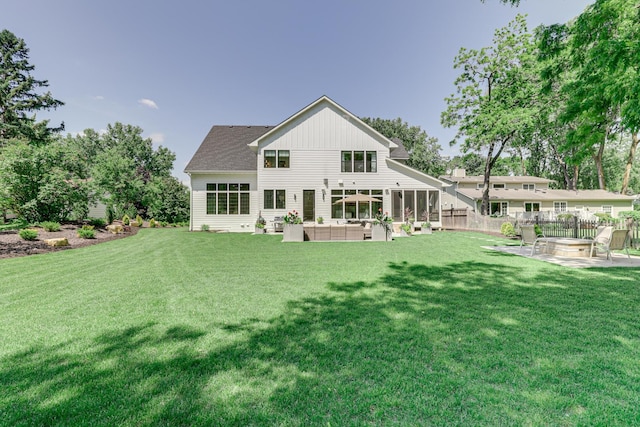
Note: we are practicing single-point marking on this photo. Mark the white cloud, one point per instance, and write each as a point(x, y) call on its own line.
point(157, 138)
point(148, 103)
point(98, 98)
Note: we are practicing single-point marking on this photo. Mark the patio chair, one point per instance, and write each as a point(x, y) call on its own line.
point(528, 236)
point(616, 240)
point(601, 240)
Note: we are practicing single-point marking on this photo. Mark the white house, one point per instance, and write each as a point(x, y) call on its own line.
point(307, 163)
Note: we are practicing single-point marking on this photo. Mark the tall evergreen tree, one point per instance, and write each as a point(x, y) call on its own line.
point(19, 95)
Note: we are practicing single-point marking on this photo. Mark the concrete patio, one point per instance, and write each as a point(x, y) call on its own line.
point(600, 261)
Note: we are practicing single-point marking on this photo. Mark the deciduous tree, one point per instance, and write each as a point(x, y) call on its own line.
point(494, 105)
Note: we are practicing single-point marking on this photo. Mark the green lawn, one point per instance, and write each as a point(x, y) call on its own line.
point(175, 328)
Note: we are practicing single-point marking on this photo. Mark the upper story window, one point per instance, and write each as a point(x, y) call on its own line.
point(529, 187)
point(498, 185)
point(359, 161)
point(276, 159)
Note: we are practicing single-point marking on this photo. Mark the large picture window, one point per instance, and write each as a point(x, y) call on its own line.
point(358, 161)
point(228, 199)
point(275, 199)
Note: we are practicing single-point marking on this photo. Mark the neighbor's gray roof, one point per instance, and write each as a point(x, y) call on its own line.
point(545, 195)
point(225, 149)
point(497, 179)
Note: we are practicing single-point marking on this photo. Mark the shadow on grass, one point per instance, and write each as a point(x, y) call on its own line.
point(459, 344)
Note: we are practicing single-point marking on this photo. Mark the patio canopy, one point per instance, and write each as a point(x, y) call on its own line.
point(357, 198)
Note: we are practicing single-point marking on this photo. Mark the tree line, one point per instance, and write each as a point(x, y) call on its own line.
point(560, 102)
point(45, 176)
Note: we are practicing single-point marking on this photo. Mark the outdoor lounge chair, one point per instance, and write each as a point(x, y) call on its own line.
point(616, 240)
point(601, 240)
point(530, 237)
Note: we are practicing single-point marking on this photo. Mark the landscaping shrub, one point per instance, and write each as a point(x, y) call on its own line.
point(28, 234)
point(152, 223)
point(139, 220)
point(98, 222)
point(203, 227)
point(87, 232)
point(126, 220)
point(16, 224)
point(507, 229)
point(50, 226)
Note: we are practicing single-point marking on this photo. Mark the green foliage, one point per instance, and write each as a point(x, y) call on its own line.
point(320, 220)
point(97, 222)
point(635, 215)
point(424, 151)
point(406, 228)
point(604, 217)
point(126, 220)
point(28, 234)
point(139, 220)
point(167, 199)
point(40, 183)
point(494, 106)
point(15, 224)
point(19, 96)
point(507, 229)
point(203, 227)
point(152, 223)
point(86, 232)
point(538, 230)
point(565, 216)
point(50, 226)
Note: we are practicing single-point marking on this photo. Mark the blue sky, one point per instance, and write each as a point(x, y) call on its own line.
point(177, 68)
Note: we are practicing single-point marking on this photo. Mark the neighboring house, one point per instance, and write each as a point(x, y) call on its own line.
point(307, 163)
point(529, 196)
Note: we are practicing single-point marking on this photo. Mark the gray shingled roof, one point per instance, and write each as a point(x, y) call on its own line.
point(225, 149)
point(399, 153)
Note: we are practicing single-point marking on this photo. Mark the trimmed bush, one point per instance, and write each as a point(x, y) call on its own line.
point(98, 222)
point(203, 227)
point(507, 229)
point(28, 234)
point(139, 220)
point(152, 223)
point(50, 226)
point(126, 220)
point(87, 232)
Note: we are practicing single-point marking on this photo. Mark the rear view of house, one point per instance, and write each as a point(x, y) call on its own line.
point(307, 163)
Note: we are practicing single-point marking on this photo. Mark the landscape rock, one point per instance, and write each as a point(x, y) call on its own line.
point(59, 241)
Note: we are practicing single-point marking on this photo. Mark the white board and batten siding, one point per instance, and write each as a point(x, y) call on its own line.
point(199, 215)
point(316, 142)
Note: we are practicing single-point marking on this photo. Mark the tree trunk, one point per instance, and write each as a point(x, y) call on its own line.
point(597, 158)
point(488, 166)
point(627, 169)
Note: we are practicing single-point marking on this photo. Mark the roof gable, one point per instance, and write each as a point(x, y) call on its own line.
point(314, 108)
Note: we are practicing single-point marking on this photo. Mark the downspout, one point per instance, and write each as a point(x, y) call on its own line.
point(190, 203)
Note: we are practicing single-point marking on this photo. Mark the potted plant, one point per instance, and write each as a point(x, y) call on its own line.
point(292, 231)
point(260, 225)
point(320, 220)
point(425, 227)
point(405, 229)
point(381, 229)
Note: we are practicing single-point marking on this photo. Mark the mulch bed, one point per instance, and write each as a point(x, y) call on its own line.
point(12, 245)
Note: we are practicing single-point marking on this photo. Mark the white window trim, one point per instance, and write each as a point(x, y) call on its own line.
point(531, 187)
point(566, 206)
